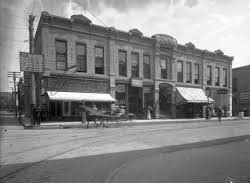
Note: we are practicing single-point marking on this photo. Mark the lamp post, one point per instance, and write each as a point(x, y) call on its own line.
point(208, 94)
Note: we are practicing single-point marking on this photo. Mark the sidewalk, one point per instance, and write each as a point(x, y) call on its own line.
point(114, 124)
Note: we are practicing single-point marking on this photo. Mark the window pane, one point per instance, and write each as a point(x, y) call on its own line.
point(164, 69)
point(61, 55)
point(81, 61)
point(188, 72)
point(122, 56)
point(135, 64)
point(146, 66)
point(60, 46)
point(180, 71)
point(209, 75)
point(196, 73)
point(98, 52)
point(99, 60)
point(217, 76)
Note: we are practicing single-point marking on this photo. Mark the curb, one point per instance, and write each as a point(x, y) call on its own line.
point(127, 123)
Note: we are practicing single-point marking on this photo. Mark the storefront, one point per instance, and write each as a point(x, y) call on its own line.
point(134, 96)
point(190, 102)
point(67, 105)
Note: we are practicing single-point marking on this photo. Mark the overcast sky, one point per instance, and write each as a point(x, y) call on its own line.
point(208, 24)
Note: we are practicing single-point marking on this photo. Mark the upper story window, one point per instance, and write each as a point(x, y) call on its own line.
point(146, 66)
point(164, 68)
point(196, 74)
point(209, 75)
point(224, 76)
point(188, 72)
point(217, 76)
point(81, 57)
point(61, 55)
point(135, 64)
point(122, 58)
point(179, 71)
point(99, 60)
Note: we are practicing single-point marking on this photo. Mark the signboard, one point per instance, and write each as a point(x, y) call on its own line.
point(136, 82)
point(222, 91)
point(120, 88)
point(31, 62)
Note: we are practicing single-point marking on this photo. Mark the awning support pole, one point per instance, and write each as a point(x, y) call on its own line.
point(83, 113)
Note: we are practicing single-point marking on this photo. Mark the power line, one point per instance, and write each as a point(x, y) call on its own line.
point(97, 18)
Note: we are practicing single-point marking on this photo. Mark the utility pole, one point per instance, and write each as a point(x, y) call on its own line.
point(33, 82)
point(14, 78)
point(14, 75)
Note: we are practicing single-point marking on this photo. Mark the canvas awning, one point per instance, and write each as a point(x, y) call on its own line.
point(74, 96)
point(191, 95)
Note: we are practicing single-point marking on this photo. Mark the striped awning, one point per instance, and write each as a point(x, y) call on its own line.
point(75, 96)
point(191, 95)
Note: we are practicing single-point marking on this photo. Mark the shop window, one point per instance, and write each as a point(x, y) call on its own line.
point(146, 66)
point(122, 56)
point(217, 76)
point(120, 94)
point(188, 72)
point(99, 60)
point(209, 75)
point(75, 109)
point(164, 69)
point(66, 109)
point(179, 71)
point(81, 61)
point(61, 55)
point(196, 74)
point(224, 76)
point(135, 64)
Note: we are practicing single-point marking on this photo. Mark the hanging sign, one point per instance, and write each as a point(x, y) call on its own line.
point(136, 82)
point(31, 62)
point(120, 88)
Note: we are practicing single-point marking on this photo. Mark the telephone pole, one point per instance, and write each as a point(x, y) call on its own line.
point(31, 41)
point(14, 75)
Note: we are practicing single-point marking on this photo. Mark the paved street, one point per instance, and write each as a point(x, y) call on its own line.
point(92, 155)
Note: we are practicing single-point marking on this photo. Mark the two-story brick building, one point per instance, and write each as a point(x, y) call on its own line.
point(81, 57)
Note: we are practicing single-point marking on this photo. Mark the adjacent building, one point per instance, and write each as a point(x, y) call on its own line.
point(135, 70)
point(241, 90)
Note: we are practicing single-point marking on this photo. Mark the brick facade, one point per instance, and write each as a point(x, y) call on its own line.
point(81, 30)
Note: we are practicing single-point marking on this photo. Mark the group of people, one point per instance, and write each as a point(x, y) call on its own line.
point(37, 115)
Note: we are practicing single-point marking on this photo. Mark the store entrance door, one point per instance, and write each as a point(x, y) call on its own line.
point(135, 99)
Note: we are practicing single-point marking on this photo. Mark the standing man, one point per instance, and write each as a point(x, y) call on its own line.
point(38, 114)
point(219, 113)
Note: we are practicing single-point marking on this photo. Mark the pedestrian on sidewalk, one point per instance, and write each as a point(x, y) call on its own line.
point(219, 113)
point(149, 109)
point(38, 115)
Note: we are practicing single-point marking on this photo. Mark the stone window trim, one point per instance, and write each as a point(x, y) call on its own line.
point(57, 40)
point(85, 57)
point(99, 70)
point(217, 76)
point(179, 73)
point(148, 71)
point(197, 73)
point(188, 74)
point(209, 75)
point(136, 74)
point(126, 62)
